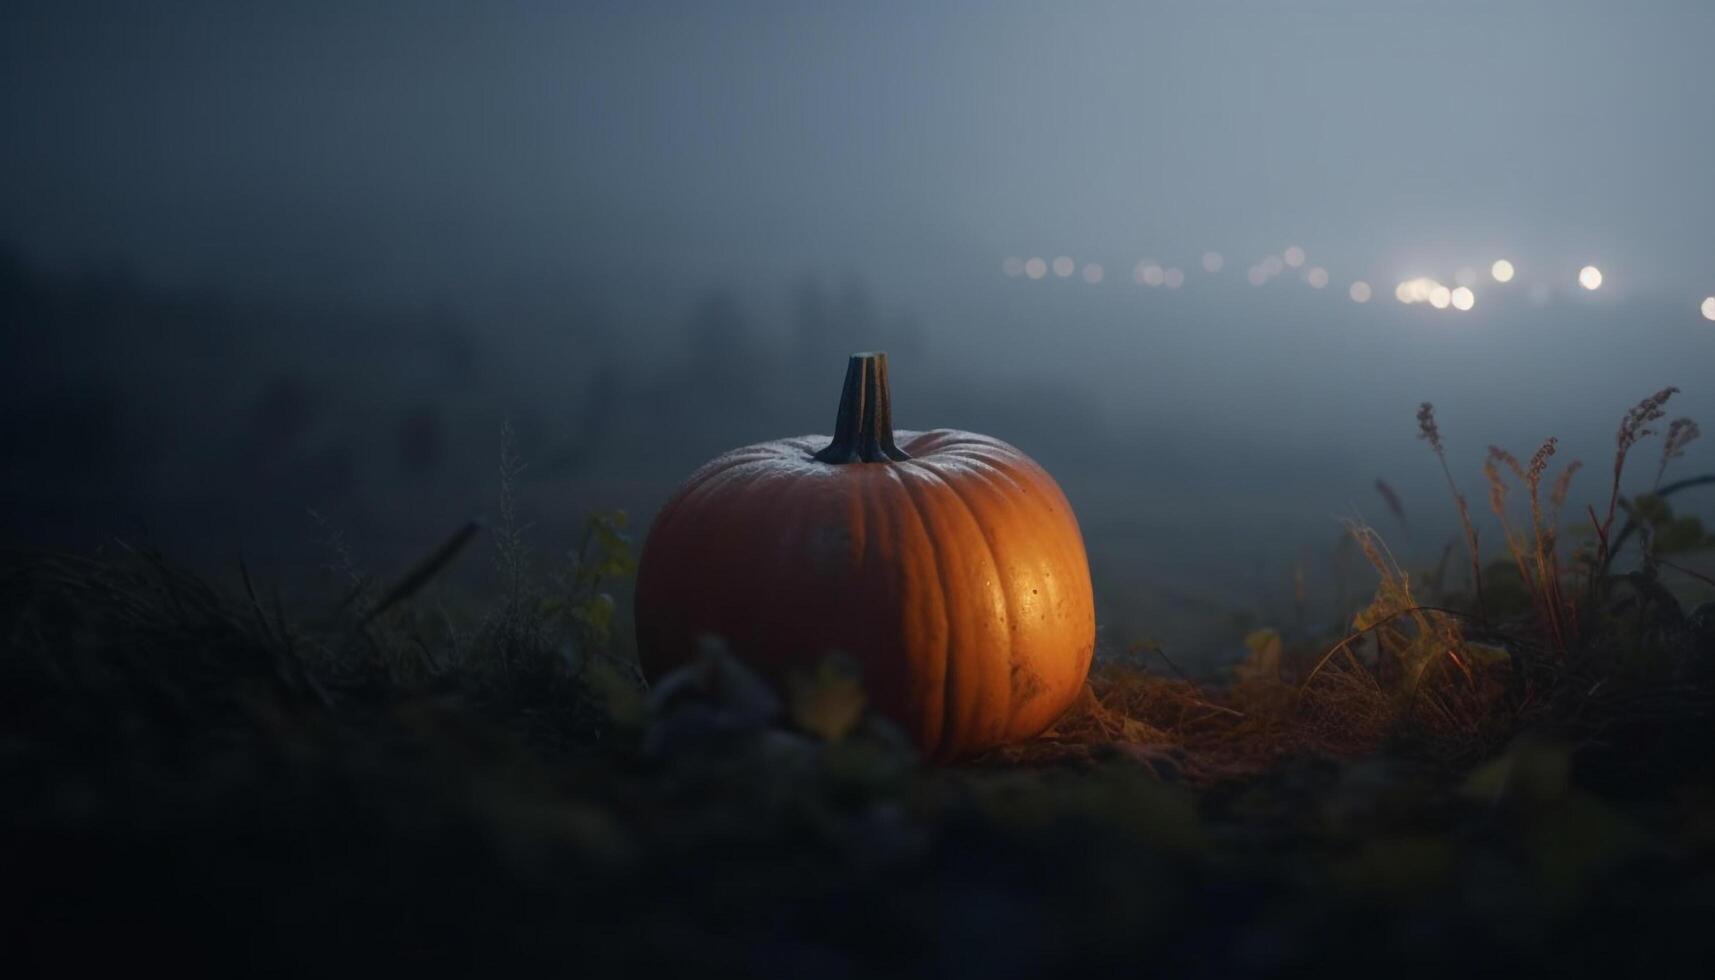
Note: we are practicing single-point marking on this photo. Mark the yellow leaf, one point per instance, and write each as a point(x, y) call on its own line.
point(1265, 647)
point(828, 701)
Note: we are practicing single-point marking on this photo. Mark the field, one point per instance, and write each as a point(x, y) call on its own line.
point(1511, 775)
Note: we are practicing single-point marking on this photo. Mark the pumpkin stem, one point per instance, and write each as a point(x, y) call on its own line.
point(863, 431)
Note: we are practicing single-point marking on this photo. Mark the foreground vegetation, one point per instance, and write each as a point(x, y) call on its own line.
point(1508, 771)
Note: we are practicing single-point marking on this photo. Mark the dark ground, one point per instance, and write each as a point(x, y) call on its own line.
point(199, 780)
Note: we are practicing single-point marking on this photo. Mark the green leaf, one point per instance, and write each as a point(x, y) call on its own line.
point(1652, 510)
point(618, 693)
point(595, 615)
point(1534, 771)
point(1680, 534)
point(1487, 654)
point(1579, 837)
point(1401, 867)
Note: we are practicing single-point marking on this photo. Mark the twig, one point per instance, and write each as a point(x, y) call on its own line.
point(1360, 634)
point(1630, 527)
point(1158, 651)
point(1699, 576)
point(426, 569)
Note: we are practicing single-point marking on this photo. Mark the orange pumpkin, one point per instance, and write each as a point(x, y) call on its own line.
point(948, 564)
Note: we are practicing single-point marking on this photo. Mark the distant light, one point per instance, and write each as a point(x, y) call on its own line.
point(1152, 275)
point(1502, 270)
point(1317, 277)
point(1463, 298)
point(1063, 266)
point(1013, 267)
point(1465, 276)
point(1590, 277)
point(1272, 265)
point(1440, 296)
point(1036, 268)
point(1294, 256)
point(1539, 293)
point(1092, 273)
point(1173, 278)
point(1419, 290)
point(1709, 307)
point(1360, 292)
point(1257, 275)
point(1213, 261)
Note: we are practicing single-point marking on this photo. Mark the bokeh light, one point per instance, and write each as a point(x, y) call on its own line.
point(1213, 261)
point(1036, 268)
point(1440, 296)
point(1463, 298)
point(1709, 307)
point(1257, 275)
point(1317, 277)
point(1092, 273)
point(1293, 256)
point(1502, 270)
point(1013, 267)
point(1173, 278)
point(1150, 274)
point(1063, 266)
point(1419, 290)
point(1359, 291)
point(1590, 277)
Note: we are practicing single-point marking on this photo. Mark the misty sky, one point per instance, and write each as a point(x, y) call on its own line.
point(444, 148)
point(513, 168)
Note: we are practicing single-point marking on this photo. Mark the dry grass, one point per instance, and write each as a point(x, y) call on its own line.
point(1436, 680)
point(1424, 675)
point(1429, 431)
point(197, 770)
point(1535, 550)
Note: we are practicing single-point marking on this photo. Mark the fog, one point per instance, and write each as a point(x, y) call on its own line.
point(264, 259)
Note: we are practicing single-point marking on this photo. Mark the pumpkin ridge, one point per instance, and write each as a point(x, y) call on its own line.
point(710, 477)
point(970, 738)
point(760, 452)
point(948, 442)
point(716, 490)
point(1059, 507)
point(1003, 469)
point(1038, 497)
point(940, 592)
point(1011, 602)
point(1026, 682)
point(994, 453)
point(791, 523)
point(693, 490)
point(752, 507)
point(956, 736)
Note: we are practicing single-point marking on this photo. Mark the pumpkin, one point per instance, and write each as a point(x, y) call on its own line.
point(947, 564)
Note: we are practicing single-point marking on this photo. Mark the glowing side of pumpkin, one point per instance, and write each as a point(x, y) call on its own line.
point(956, 576)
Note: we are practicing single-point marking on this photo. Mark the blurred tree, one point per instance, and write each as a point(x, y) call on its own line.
point(811, 322)
point(420, 440)
point(719, 342)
